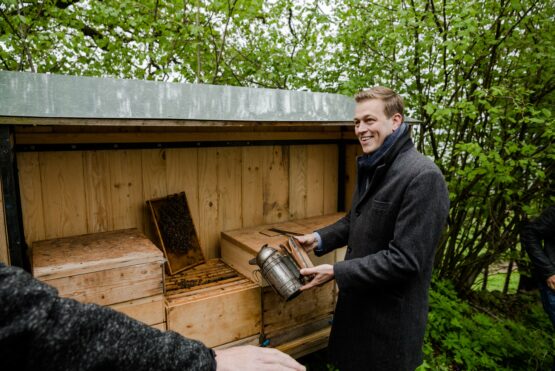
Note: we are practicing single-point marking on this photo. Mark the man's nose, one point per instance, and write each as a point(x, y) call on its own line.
point(361, 128)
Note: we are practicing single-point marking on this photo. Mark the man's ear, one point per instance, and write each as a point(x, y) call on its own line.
point(397, 120)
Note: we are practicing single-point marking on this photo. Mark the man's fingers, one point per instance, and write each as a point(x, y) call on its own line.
point(308, 271)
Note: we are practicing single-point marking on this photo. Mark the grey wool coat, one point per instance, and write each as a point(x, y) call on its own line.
point(391, 232)
point(39, 330)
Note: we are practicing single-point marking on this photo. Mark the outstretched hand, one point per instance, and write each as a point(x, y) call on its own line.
point(251, 358)
point(321, 274)
point(551, 282)
point(307, 241)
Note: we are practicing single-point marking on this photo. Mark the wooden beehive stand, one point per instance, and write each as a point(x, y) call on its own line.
point(206, 300)
point(301, 325)
point(121, 269)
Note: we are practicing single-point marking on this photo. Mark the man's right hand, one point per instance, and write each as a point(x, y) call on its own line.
point(551, 282)
point(251, 358)
point(307, 241)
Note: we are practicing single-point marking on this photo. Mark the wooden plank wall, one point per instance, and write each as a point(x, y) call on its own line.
point(77, 192)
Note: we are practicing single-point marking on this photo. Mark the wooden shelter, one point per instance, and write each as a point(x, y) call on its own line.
point(82, 155)
point(88, 152)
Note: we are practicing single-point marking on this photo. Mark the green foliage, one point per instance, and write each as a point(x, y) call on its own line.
point(490, 331)
point(480, 77)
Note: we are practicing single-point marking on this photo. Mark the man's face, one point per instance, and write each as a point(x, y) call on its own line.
point(371, 124)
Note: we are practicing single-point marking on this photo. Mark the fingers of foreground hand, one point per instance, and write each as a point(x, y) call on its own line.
point(246, 358)
point(273, 357)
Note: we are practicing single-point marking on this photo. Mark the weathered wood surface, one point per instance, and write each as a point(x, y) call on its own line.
point(103, 268)
point(78, 192)
point(62, 257)
point(150, 310)
point(222, 307)
point(241, 245)
point(279, 315)
point(306, 344)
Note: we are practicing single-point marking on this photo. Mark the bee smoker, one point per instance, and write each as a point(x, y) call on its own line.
point(280, 271)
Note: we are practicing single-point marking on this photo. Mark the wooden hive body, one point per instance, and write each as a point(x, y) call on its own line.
point(121, 269)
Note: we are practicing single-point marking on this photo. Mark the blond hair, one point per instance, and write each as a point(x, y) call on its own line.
point(393, 102)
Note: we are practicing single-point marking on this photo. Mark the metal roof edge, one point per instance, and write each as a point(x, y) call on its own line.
point(26, 94)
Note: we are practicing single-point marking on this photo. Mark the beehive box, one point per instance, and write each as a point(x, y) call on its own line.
point(121, 269)
point(307, 316)
point(213, 303)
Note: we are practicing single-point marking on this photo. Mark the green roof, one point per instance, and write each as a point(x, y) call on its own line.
point(25, 94)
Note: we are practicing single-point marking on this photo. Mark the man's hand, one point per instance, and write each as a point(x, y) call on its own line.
point(551, 282)
point(251, 358)
point(307, 241)
point(322, 274)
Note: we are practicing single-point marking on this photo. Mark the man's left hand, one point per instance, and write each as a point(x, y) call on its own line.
point(322, 274)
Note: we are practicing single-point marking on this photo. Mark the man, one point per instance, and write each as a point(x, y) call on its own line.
point(398, 212)
point(41, 331)
point(535, 234)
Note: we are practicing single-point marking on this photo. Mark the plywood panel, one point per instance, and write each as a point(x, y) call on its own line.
point(276, 184)
point(315, 180)
point(126, 189)
point(64, 193)
point(229, 189)
point(97, 191)
point(330, 178)
point(208, 201)
point(298, 164)
point(154, 181)
point(182, 176)
point(252, 185)
point(31, 196)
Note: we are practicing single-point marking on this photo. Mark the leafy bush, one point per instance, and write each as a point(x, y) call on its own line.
point(490, 331)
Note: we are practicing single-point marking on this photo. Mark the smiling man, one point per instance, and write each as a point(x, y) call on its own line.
point(398, 213)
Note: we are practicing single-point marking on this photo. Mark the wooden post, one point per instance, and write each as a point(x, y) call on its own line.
point(12, 206)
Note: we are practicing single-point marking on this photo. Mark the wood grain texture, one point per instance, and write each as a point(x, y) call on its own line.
point(276, 184)
point(214, 314)
point(96, 166)
point(208, 201)
point(252, 186)
point(227, 316)
point(150, 310)
point(330, 158)
point(126, 189)
point(63, 190)
point(30, 188)
point(315, 180)
point(298, 177)
point(229, 167)
point(182, 176)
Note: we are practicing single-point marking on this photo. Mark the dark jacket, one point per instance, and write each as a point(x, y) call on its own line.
point(41, 331)
point(541, 254)
point(391, 231)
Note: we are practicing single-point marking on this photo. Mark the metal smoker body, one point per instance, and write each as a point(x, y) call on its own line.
point(280, 271)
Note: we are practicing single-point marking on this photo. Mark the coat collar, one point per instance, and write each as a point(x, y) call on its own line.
point(380, 165)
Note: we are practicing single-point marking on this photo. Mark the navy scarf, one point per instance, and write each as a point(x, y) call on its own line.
point(366, 163)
